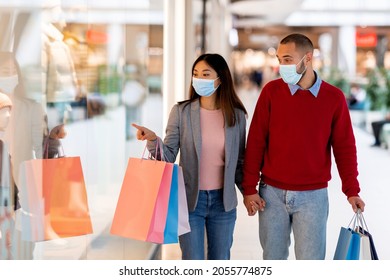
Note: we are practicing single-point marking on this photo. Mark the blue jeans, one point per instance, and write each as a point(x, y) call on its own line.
point(303, 212)
point(209, 215)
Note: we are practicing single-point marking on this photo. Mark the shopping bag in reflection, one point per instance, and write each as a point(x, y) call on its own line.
point(55, 198)
point(136, 203)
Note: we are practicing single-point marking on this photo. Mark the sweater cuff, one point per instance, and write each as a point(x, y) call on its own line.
point(250, 190)
point(352, 194)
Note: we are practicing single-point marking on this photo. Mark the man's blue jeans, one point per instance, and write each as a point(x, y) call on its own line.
point(209, 215)
point(303, 212)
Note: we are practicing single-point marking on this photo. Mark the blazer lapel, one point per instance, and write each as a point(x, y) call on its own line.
point(229, 139)
point(195, 123)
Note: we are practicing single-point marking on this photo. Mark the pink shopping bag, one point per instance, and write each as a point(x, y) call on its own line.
point(157, 225)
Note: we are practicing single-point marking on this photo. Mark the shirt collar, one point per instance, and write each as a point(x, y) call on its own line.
point(314, 89)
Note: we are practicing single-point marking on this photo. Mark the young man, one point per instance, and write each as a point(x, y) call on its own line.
point(297, 121)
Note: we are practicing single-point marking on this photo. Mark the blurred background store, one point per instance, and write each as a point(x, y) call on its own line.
point(117, 62)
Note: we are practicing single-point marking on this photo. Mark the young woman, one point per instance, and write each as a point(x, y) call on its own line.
point(209, 131)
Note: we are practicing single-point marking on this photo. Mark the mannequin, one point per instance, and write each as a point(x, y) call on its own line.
point(8, 191)
point(60, 85)
point(23, 136)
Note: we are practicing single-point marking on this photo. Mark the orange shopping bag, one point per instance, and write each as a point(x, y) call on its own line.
point(137, 199)
point(54, 196)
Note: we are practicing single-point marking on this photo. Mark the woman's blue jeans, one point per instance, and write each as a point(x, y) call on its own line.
point(303, 212)
point(210, 216)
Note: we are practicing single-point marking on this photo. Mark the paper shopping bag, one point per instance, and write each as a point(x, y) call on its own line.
point(177, 218)
point(54, 195)
point(373, 252)
point(184, 224)
point(365, 251)
point(160, 214)
point(343, 244)
point(369, 247)
point(354, 246)
point(171, 224)
point(355, 242)
point(348, 245)
point(136, 202)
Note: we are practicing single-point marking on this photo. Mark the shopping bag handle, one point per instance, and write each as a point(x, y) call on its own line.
point(358, 220)
point(46, 148)
point(363, 223)
point(158, 148)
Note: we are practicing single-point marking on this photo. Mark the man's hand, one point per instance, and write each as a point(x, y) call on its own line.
point(356, 203)
point(254, 203)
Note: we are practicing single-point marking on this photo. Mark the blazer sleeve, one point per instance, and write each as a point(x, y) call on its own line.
point(171, 142)
point(241, 152)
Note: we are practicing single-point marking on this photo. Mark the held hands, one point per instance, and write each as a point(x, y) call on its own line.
point(356, 203)
point(144, 134)
point(254, 203)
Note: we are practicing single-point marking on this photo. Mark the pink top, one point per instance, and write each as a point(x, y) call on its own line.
point(212, 161)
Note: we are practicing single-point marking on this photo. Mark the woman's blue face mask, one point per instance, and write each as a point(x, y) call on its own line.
point(204, 87)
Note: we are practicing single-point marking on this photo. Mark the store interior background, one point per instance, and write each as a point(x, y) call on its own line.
point(133, 60)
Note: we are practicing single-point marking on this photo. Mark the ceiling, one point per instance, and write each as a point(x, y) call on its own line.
point(260, 13)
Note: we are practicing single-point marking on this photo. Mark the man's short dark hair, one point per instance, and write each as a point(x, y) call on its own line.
point(301, 41)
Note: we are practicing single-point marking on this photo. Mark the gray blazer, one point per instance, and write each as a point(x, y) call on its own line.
point(183, 133)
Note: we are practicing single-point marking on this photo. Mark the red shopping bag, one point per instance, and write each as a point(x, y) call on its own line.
point(53, 194)
point(136, 203)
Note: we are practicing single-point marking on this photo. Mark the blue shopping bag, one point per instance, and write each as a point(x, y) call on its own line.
point(171, 225)
point(348, 245)
point(354, 246)
point(343, 243)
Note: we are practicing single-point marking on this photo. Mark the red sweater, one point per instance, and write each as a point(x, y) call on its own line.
point(291, 136)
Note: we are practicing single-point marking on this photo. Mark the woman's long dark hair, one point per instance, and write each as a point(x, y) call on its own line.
point(227, 98)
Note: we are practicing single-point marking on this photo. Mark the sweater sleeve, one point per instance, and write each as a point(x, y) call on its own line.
point(256, 143)
point(344, 149)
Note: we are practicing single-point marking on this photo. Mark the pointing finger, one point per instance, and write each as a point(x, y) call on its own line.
point(137, 126)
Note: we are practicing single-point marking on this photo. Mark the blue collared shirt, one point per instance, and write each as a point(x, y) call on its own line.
point(314, 89)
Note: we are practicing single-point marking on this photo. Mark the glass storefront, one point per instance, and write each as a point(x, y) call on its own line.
point(77, 75)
